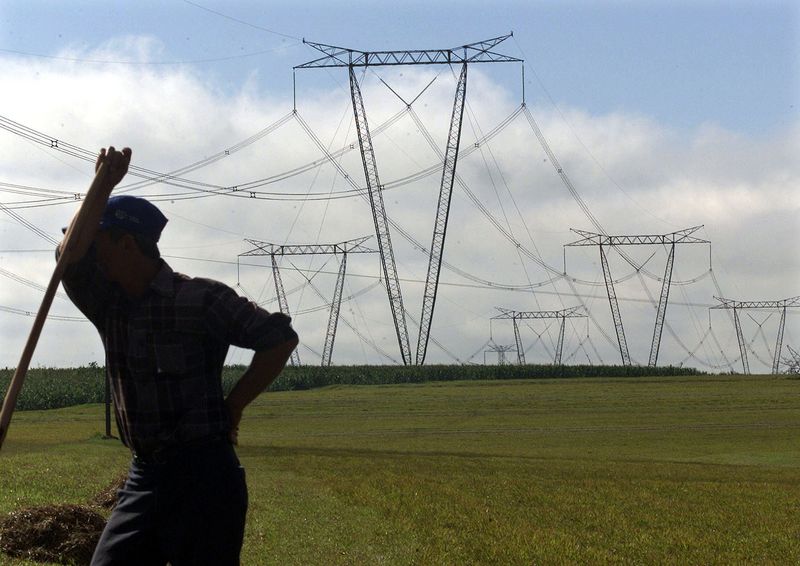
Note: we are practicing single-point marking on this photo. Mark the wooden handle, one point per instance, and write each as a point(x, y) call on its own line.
point(77, 231)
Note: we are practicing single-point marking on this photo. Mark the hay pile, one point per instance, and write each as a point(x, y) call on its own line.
point(107, 498)
point(65, 533)
point(52, 533)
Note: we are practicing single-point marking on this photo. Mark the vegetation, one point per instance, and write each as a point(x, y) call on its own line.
point(50, 388)
point(667, 470)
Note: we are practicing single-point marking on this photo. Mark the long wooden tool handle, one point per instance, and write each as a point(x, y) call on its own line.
point(76, 231)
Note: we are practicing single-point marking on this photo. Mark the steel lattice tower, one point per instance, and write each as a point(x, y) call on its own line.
point(601, 240)
point(479, 52)
point(736, 306)
point(501, 350)
point(792, 361)
point(339, 249)
point(514, 316)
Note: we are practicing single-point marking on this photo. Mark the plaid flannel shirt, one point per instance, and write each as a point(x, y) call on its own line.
point(165, 350)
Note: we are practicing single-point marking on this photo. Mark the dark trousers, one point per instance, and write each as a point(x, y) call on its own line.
point(185, 508)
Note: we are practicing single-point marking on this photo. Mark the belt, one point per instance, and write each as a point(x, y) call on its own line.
point(160, 453)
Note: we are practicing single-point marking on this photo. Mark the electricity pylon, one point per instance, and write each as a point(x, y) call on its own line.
point(792, 361)
point(479, 52)
point(501, 350)
point(514, 316)
point(342, 249)
point(600, 240)
point(736, 306)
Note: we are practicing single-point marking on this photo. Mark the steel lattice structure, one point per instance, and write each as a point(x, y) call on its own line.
point(792, 361)
point(514, 316)
point(680, 237)
point(478, 52)
point(342, 249)
point(736, 306)
point(283, 304)
point(501, 350)
point(442, 214)
point(379, 217)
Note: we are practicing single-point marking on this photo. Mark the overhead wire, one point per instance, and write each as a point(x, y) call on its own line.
point(242, 22)
point(29, 225)
point(352, 327)
point(243, 190)
point(476, 128)
point(145, 63)
point(28, 283)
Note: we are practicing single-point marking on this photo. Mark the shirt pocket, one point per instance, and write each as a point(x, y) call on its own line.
point(177, 353)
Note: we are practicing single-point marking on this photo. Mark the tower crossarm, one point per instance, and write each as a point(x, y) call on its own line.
point(732, 304)
point(478, 52)
point(354, 246)
point(507, 314)
point(679, 237)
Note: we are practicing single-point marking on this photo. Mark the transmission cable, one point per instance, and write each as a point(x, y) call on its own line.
point(242, 22)
point(29, 225)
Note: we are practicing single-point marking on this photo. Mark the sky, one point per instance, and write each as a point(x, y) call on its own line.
point(638, 117)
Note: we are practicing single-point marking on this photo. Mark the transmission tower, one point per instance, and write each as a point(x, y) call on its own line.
point(501, 350)
point(792, 361)
point(514, 316)
point(601, 240)
point(342, 249)
point(736, 306)
point(480, 52)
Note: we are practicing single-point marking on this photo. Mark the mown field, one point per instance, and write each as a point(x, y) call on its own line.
point(640, 470)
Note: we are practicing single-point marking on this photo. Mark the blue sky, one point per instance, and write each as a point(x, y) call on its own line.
point(664, 115)
point(735, 63)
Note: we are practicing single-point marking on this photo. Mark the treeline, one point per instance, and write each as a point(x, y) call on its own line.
point(50, 388)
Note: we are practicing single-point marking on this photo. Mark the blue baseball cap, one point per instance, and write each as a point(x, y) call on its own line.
point(135, 215)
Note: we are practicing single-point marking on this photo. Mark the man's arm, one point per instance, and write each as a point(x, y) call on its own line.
point(115, 164)
point(265, 367)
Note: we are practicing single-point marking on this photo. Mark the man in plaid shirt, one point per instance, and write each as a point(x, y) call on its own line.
point(166, 337)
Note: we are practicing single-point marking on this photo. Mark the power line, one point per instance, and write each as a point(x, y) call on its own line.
point(24, 312)
point(518, 289)
point(219, 59)
point(244, 23)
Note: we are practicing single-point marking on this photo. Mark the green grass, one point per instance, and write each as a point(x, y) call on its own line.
point(700, 470)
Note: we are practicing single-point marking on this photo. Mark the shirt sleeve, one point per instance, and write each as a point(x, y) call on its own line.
point(86, 286)
point(242, 323)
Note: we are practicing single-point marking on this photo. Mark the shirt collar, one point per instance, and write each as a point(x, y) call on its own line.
point(163, 283)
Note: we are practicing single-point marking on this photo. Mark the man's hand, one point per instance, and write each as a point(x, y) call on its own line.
point(116, 164)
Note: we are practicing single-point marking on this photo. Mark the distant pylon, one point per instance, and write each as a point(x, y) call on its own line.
point(514, 316)
point(736, 306)
point(341, 248)
point(601, 240)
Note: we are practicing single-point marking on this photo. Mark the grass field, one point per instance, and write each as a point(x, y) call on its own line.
point(689, 470)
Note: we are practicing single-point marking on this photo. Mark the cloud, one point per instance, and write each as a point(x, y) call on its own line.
point(510, 213)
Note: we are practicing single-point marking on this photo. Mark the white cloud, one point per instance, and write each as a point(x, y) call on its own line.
point(636, 176)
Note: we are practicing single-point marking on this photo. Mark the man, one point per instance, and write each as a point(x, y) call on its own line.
point(166, 336)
